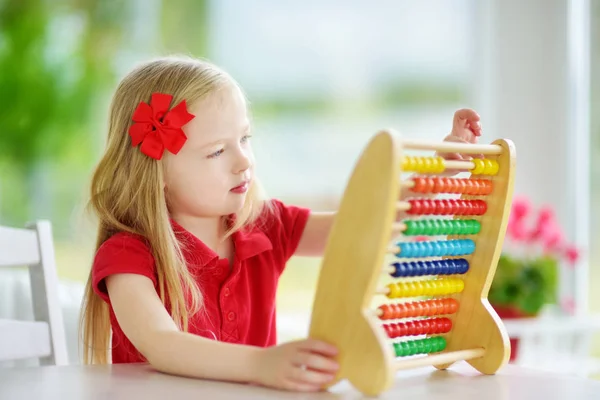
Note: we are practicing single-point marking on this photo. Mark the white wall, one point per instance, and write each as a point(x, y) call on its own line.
point(532, 68)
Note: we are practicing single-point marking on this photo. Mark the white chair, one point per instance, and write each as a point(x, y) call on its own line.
point(43, 338)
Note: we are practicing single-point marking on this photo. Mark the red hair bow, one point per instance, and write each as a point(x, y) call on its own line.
point(158, 129)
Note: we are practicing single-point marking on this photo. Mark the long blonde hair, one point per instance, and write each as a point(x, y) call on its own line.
point(127, 194)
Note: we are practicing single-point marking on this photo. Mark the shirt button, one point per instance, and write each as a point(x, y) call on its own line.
point(231, 316)
point(226, 292)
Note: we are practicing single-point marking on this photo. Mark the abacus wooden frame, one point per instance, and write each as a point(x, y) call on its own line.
point(353, 262)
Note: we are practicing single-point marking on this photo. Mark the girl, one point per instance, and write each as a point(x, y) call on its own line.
point(188, 250)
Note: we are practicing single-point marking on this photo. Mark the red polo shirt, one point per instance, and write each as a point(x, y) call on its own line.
point(239, 305)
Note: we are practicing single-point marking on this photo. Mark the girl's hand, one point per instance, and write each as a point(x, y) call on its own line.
point(466, 128)
point(305, 366)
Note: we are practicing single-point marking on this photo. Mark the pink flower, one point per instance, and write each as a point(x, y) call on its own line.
point(520, 208)
point(568, 305)
point(517, 231)
point(572, 254)
point(553, 240)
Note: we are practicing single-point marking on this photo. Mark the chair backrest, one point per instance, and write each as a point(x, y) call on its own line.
point(44, 338)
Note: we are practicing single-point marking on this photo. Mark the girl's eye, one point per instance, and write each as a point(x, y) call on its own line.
point(216, 153)
point(246, 138)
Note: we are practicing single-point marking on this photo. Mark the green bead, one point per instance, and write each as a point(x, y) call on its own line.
point(405, 348)
point(420, 347)
point(437, 227)
point(456, 227)
point(443, 343)
point(447, 227)
point(477, 227)
point(443, 224)
point(427, 346)
point(440, 344)
point(412, 348)
point(410, 228)
point(397, 349)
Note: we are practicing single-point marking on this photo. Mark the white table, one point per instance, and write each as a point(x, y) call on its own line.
point(118, 382)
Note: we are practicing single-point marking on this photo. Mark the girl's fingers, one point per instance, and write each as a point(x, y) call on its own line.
point(316, 362)
point(306, 376)
point(317, 346)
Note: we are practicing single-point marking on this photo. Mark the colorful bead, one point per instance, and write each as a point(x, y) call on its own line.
point(424, 308)
point(455, 247)
point(446, 207)
point(435, 227)
point(424, 165)
point(418, 327)
point(471, 186)
point(485, 167)
point(433, 344)
point(453, 266)
point(431, 287)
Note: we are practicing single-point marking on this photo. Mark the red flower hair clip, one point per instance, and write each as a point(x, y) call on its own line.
point(157, 128)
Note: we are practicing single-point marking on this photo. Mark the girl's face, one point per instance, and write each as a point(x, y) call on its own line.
point(211, 174)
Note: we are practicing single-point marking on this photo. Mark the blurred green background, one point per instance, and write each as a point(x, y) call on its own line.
point(60, 60)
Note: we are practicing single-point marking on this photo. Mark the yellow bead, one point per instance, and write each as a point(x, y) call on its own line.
point(394, 291)
point(435, 289)
point(424, 165)
point(406, 161)
point(460, 285)
point(427, 288)
point(440, 167)
point(488, 166)
point(479, 166)
point(495, 167)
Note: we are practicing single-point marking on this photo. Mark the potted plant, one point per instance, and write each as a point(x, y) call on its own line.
point(527, 275)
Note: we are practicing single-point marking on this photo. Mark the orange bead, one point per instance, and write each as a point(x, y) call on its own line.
point(488, 187)
point(453, 306)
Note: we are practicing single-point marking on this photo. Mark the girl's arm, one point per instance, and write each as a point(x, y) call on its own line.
point(147, 324)
point(304, 365)
point(318, 226)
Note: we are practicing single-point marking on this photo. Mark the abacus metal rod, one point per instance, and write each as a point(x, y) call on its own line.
point(442, 358)
point(452, 147)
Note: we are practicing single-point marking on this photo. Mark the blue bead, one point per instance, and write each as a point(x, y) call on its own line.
point(426, 249)
point(396, 273)
point(427, 265)
point(449, 267)
point(404, 250)
point(464, 266)
point(464, 247)
point(450, 245)
point(417, 268)
point(411, 268)
point(446, 267)
point(410, 247)
point(405, 269)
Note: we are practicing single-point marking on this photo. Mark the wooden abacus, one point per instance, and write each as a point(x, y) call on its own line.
point(456, 322)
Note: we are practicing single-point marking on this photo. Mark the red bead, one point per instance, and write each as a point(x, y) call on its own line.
point(416, 206)
point(447, 325)
point(483, 207)
point(388, 330)
point(397, 330)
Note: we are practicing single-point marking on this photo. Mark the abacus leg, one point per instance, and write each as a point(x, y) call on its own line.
point(487, 332)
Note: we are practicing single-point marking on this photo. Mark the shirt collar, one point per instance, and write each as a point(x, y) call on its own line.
point(247, 243)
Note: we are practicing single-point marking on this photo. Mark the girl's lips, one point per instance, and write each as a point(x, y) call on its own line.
point(243, 188)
